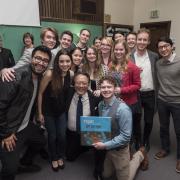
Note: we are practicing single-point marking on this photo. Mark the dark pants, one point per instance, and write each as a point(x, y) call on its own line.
point(74, 148)
point(31, 137)
point(56, 128)
point(148, 103)
point(166, 109)
point(136, 115)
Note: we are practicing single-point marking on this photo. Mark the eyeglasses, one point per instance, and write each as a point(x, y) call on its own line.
point(39, 59)
point(165, 46)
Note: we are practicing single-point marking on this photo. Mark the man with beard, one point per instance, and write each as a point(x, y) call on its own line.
point(16, 100)
point(49, 38)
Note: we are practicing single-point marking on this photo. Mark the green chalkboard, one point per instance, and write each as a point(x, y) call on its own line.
point(12, 35)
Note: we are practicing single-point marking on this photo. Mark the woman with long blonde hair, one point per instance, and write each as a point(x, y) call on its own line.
point(127, 76)
point(105, 51)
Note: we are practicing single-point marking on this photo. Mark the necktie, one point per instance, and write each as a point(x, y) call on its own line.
point(79, 112)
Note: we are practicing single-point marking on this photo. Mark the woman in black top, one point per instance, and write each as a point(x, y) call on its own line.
point(51, 106)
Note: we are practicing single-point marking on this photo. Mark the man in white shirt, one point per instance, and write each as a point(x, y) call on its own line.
point(145, 60)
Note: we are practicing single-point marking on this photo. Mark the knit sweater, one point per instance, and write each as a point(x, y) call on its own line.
point(168, 74)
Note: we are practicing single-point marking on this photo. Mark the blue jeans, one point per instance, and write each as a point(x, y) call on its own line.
point(56, 128)
point(166, 109)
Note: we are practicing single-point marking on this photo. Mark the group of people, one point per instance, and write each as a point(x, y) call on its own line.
point(57, 82)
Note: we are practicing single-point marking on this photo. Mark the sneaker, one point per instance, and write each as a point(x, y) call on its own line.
point(161, 154)
point(145, 163)
point(178, 166)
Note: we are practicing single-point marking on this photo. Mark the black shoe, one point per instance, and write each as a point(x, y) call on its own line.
point(55, 169)
point(61, 163)
point(33, 168)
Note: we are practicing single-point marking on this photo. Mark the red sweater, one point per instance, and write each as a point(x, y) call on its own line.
point(131, 83)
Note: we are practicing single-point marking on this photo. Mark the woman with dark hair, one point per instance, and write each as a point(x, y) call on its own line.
point(127, 75)
point(95, 69)
point(28, 40)
point(77, 57)
point(51, 106)
point(97, 43)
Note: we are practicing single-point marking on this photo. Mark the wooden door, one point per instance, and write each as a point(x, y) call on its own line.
point(158, 29)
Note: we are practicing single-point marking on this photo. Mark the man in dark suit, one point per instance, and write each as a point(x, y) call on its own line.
point(6, 57)
point(81, 93)
point(81, 102)
point(145, 60)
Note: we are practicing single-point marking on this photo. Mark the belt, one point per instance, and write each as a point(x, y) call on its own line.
point(120, 147)
point(147, 93)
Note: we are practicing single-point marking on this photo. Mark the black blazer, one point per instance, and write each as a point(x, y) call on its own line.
point(92, 100)
point(6, 58)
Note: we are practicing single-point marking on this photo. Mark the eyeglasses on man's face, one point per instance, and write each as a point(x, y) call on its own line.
point(165, 46)
point(42, 60)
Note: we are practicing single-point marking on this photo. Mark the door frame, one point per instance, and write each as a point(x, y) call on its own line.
point(158, 24)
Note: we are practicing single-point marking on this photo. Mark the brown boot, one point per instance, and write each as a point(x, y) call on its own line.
point(178, 166)
point(145, 163)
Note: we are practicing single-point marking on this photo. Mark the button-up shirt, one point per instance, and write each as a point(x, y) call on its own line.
point(143, 62)
point(124, 118)
point(73, 108)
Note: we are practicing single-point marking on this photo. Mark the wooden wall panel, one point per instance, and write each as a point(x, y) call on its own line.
point(62, 11)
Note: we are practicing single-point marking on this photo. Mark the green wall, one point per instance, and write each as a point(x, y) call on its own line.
point(12, 35)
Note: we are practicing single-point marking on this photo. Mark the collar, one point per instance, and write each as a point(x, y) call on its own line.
point(84, 97)
point(110, 103)
point(144, 55)
point(171, 58)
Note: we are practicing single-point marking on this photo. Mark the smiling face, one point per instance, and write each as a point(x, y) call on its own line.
point(49, 40)
point(40, 62)
point(66, 41)
point(97, 43)
point(64, 63)
point(81, 84)
point(131, 41)
point(77, 57)
point(91, 55)
point(165, 49)
point(119, 51)
point(105, 46)
point(27, 41)
point(84, 37)
point(107, 90)
point(142, 41)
